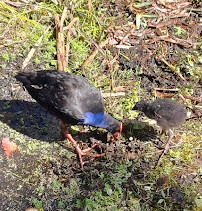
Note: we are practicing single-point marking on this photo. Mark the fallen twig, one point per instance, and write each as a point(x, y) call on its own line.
point(92, 56)
point(178, 41)
point(75, 20)
point(171, 67)
point(165, 93)
point(15, 4)
point(117, 94)
point(89, 5)
point(123, 46)
point(167, 23)
point(62, 64)
point(167, 90)
point(192, 98)
point(32, 51)
point(128, 34)
point(60, 45)
point(122, 88)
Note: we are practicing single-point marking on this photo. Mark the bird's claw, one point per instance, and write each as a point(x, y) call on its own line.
point(92, 158)
point(85, 152)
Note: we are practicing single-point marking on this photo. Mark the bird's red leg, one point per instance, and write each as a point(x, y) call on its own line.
point(80, 152)
point(166, 148)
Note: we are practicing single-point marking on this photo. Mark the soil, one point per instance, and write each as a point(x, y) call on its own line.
point(45, 174)
point(47, 169)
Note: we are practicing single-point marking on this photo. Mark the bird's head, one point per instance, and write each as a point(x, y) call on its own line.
point(114, 126)
point(140, 106)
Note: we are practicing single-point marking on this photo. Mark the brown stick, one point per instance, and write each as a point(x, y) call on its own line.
point(67, 48)
point(128, 34)
point(117, 94)
point(68, 39)
point(167, 90)
point(62, 65)
point(166, 93)
point(178, 41)
point(75, 20)
point(32, 51)
point(15, 4)
point(171, 67)
point(63, 17)
point(60, 44)
point(193, 98)
point(92, 56)
point(89, 5)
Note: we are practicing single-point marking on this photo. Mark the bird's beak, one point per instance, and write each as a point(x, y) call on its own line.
point(117, 134)
point(135, 107)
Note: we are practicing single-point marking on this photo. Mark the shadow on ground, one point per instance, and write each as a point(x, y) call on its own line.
point(30, 119)
point(34, 121)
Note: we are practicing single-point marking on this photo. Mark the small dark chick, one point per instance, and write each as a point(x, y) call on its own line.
point(168, 114)
point(73, 100)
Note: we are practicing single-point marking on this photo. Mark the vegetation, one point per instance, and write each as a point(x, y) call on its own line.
point(46, 174)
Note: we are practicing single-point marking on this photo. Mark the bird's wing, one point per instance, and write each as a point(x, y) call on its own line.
point(161, 109)
point(64, 94)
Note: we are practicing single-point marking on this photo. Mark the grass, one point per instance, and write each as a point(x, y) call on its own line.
point(47, 172)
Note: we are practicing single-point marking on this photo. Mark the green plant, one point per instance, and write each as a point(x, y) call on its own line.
point(37, 204)
point(110, 197)
point(5, 56)
point(56, 185)
point(36, 60)
point(3, 66)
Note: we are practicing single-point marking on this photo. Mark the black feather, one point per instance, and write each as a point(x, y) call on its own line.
point(68, 96)
point(168, 113)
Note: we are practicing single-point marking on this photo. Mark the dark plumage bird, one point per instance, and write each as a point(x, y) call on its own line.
point(168, 114)
point(72, 99)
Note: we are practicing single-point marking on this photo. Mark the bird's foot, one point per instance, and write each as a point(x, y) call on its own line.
point(87, 150)
point(84, 152)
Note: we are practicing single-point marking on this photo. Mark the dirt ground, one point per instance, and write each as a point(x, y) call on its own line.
point(45, 174)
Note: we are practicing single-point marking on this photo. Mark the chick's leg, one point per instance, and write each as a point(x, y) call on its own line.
point(170, 137)
point(161, 135)
point(166, 148)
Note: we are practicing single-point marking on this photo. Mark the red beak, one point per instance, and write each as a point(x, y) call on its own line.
point(117, 134)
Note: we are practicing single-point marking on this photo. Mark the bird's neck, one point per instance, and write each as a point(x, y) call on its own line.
point(97, 120)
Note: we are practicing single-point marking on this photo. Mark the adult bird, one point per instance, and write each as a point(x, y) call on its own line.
point(73, 100)
point(167, 113)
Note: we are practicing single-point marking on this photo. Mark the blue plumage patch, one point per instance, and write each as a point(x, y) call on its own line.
point(97, 120)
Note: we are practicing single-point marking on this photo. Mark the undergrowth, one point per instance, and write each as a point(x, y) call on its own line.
point(133, 184)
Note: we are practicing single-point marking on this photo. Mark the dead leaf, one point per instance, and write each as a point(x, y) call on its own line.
point(9, 147)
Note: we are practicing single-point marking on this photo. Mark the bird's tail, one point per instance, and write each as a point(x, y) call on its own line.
point(27, 78)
